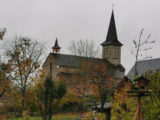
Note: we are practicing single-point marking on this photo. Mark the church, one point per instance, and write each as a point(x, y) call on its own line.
point(59, 66)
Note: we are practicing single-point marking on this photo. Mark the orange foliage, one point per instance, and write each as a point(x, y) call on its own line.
point(94, 78)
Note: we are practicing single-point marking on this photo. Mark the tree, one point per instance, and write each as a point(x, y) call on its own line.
point(123, 106)
point(5, 83)
point(96, 78)
point(83, 48)
point(140, 47)
point(49, 95)
point(4, 70)
point(23, 56)
point(151, 104)
point(2, 33)
point(101, 75)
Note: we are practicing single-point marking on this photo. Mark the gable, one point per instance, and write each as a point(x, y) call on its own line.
point(47, 62)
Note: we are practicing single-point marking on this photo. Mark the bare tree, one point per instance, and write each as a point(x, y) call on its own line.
point(2, 33)
point(83, 48)
point(5, 83)
point(101, 76)
point(24, 58)
point(140, 47)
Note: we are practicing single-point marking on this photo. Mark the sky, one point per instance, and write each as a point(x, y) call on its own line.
point(44, 20)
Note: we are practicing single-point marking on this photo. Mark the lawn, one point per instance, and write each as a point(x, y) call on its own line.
point(55, 117)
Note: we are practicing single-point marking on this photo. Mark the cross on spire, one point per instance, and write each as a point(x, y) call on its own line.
point(112, 6)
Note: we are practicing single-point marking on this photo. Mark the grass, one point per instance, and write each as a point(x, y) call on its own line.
point(55, 117)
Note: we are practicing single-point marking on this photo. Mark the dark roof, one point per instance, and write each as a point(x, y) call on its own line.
point(75, 61)
point(56, 46)
point(144, 66)
point(112, 38)
point(70, 60)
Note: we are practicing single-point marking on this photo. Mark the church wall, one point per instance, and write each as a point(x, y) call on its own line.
point(56, 69)
point(47, 66)
point(57, 74)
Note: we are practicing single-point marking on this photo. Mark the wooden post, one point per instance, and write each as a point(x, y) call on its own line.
point(140, 108)
point(136, 114)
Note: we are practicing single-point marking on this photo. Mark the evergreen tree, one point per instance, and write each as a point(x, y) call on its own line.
point(49, 95)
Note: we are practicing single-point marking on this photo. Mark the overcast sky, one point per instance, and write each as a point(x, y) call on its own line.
point(82, 19)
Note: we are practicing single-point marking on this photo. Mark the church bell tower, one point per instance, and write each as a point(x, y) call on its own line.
point(56, 48)
point(111, 47)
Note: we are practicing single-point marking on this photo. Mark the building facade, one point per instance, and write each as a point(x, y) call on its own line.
point(63, 66)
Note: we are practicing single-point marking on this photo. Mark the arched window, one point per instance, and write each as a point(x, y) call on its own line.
point(51, 69)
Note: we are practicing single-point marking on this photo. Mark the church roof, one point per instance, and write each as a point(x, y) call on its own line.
point(112, 38)
point(144, 66)
point(75, 61)
point(56, 46)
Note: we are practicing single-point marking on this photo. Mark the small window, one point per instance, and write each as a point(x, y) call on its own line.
point(116, 52)
point(51, 69)
point(107, 52)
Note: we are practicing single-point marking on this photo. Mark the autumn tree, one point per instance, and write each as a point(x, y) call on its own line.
point(83, 48)
point(98, 78)
point(123, 106)
point(5, 69)
point(101, 76)
point(5, 83)
point(23, 56)
point(151, 104)
point(141, 47)
point(49, 95)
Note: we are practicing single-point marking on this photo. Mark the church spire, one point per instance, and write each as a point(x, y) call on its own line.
point(111, 47)
point(112, 38)
point(56, 48)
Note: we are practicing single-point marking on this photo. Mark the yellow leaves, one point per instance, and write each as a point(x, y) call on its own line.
point(28, 62)
point(37, 66)
point(121, 98)
point(5, 83)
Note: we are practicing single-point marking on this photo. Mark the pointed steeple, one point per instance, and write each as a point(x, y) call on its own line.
point(56, 48)
point(112, 38)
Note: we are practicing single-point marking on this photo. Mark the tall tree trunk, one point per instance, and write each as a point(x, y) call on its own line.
point(50, 110)
point(102, 106)
point(23, 101)
point(108, 114)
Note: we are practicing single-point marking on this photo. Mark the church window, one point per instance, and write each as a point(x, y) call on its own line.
point(51, 69)
point(116, 52)
point(107, 52)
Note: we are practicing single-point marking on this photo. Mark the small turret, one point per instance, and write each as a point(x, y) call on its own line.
point(56, 48)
